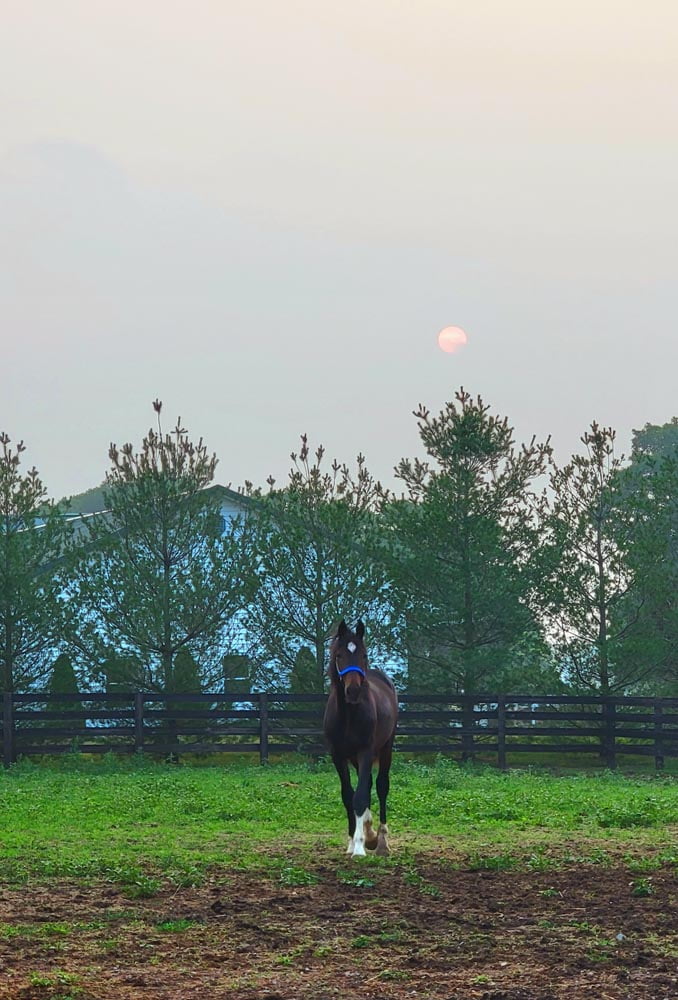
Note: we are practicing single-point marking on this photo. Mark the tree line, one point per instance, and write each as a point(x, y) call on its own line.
point(494, 568)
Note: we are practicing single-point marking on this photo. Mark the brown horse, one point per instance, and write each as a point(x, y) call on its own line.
point(360, 723)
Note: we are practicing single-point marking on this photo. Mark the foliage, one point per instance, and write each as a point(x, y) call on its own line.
point(650, 486)
point(32, 542)
point(63, 679)
point(120, 673)
point(157, 573)
point(459, 555)
point(304, 678)
point(656, 441)
point(237, 673)
point(588, 586)
point(312, 543)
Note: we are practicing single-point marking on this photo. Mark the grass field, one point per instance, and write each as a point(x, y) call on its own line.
point(83, 820)
point(145, 880)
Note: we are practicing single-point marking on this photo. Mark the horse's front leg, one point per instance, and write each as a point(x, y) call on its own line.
point(382, 791)
point(361, 806)
point(346, 797)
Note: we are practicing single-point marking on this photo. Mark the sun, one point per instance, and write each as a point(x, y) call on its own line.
point(451, 339)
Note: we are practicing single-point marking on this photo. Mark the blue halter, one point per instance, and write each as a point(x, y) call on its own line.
point(348, 670)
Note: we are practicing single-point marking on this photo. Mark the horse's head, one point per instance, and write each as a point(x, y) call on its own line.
point(348, 660)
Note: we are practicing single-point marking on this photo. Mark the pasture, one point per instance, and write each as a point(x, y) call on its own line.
point(142, 880)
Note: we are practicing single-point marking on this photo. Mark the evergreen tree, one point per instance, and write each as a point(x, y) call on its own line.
point(158, 573)
point(123, 673)
point(237, 671)
point(304, 677)
point(33, 537)
point(656, 441)
point(460, 547)
point(63, 681)
point(313, 543)
point(588, 589)
point(649, 486)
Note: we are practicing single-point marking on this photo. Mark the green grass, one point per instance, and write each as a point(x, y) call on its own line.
point(138, 823)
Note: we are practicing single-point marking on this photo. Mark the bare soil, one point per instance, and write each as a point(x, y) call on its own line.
point(374, 932)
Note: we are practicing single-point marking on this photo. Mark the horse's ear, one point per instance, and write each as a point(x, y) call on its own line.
point(342, 629)
point(360, 629)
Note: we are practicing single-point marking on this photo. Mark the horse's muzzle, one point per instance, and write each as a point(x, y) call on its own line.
point(352, 691)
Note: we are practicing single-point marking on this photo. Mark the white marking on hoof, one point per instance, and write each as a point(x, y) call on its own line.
point(349, 849)
point(382, 849)
point(359, 835)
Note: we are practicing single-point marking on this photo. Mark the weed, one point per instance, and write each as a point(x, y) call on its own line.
point(358, 882)
point(297, 876)
point(412, 877)
point(638, 865)
point(540, 862)
point(289, 958)
point(143, 887)
point(176, 926)
point(361, 941)
point(9, 931)
point(642, 887)
point(492, 862)
point(54, 980)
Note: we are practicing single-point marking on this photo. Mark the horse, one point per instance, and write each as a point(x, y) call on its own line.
point(359, 725)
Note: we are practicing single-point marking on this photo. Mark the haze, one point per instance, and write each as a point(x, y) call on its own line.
point(264, 213)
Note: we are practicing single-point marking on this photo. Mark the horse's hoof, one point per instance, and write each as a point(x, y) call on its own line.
point(382, 850)
point(358, 851)
point(372, 843)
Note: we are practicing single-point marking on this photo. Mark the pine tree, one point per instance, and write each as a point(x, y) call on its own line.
point(158, 573)
point(63, 681)
point(33, 539)
point(313, 544)
point(459, 554)
point(588, 587)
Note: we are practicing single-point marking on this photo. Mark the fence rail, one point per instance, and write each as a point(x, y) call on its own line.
point(493, 726)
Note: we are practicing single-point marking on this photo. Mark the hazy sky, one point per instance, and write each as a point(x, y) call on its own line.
point(264, 212)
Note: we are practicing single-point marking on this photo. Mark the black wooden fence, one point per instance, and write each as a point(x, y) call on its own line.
point(489, 727)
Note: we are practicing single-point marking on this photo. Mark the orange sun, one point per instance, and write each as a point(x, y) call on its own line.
point(451, 339)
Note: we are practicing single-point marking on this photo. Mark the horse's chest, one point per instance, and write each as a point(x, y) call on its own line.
point(354, 732)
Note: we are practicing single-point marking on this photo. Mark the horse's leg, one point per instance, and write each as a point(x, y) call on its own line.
point(370, 832)
point(346, 797)
point(383, 784)
point(361, 804)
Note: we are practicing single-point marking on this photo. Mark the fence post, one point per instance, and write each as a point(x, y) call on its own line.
point(609, 723)
point(263, 728)
point(658, 740)
point(138, 722)
point(467, 719)
point(501, 732)
point(7, 729)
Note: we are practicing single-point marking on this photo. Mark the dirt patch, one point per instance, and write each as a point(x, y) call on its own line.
point(381, 932)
